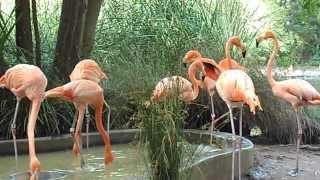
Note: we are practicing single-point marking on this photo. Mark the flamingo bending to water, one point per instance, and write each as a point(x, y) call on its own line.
point(83, 93)
point(26, 80)
point(86, 69)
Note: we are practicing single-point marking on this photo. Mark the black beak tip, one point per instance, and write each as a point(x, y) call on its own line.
point(202, 78)
point(244, 54)
point(257, 43)
point(184, 65)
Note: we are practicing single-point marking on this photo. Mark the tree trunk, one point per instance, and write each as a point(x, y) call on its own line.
point(69, 37)
point(23, 30)
point(90, 27)
point(36, 33)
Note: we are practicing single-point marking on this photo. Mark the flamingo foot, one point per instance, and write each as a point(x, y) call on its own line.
point(75, 150)
point(108, 157)
point(35, 168)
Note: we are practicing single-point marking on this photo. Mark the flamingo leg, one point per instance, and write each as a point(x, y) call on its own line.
point(240, 140)
point(233, 140)
point(13, 130)
point(109, 114)
point(298, 141)
point(108, 157)
point(295, 172)
point(87, 126)
point(77, 148)
point(73, 126)
point(212, 118)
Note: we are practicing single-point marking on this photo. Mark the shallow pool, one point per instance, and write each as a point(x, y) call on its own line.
point(127, 164)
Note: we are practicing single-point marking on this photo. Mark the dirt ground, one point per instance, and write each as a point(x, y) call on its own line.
point(275, 161)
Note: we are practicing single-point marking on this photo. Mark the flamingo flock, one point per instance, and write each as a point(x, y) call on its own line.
point(228, 78)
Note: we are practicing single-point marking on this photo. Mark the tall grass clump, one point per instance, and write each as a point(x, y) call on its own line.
point(167, 152)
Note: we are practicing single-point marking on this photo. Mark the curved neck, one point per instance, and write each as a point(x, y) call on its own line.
point(195, 84)
point(35, 107)
point(272, 60)
point(228, 49)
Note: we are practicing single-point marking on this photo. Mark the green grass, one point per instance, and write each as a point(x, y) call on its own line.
point(167, 151)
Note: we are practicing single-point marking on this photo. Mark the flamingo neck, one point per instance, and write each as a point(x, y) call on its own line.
point(195, 84)
point(228, 47)
point(35, 107)
point(272, 60)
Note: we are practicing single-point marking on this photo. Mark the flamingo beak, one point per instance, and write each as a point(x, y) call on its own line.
point(244, 53)
point(257, 43)
point(185, 65)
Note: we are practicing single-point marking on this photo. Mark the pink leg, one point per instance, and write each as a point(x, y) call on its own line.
point(240, 141)
point(233, 141)
point(108, 157)
point(77, 146)
point(87, 115)
point(212, 118)
point(295, 172)
point(13, 130)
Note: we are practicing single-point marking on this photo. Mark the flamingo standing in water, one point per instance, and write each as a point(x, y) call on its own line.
point(83, 93)
point(187, 91)
point(297, 92)
point(212, 71)
point(25, 80)
point(86, 69)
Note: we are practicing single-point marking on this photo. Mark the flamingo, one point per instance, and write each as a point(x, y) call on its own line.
point(26, 80)
point(86, 69)
point(187, 91)
point(213, 72)
point(82, 93)
point(236, 88)
point(297, 92)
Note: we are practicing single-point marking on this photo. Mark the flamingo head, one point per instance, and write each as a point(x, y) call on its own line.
point(253, 103)
point(235, 40)
point(266, 35)
point(191, 56)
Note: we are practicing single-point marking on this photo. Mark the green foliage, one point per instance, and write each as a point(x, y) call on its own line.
point(141, 42)
point(302, 20)
point(162, 136)
point(6, 28)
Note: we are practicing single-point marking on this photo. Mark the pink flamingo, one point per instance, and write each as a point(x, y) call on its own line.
point(187, 91)
point(25, 80)
point(82, 93)
point(236, 88)
point(297, 92)
point(86, 69)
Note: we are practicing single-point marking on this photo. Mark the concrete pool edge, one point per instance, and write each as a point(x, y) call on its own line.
point(209, 167)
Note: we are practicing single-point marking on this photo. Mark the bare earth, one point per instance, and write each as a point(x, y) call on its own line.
point(274, 162)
